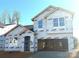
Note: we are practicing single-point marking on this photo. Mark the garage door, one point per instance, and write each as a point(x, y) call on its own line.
point(53, 45)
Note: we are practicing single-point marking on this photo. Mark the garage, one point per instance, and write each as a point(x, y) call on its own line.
point(53, 45)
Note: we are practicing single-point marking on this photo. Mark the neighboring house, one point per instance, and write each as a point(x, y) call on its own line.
point(17, 38)
point(54, 29)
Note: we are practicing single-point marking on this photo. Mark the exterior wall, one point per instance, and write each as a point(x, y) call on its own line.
point(50, 32)
point(60, 29)
point(32, 41)
point(11, 35)
point(67, 31)
point(42, 16)
point(59, 35)
point(71, 44)
point(36, 44)
point(39, 31)
point(20, 41)
point(46, 12)
point(2, 42)
point(48, 27)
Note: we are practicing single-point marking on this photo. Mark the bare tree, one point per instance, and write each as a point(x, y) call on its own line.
point(6, 19)
point(16, 17)
point(9, 18)
point(1, 20)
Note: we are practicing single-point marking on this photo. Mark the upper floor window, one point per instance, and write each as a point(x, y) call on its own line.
point(61, 21)
point(40, 24)
point(55, 22)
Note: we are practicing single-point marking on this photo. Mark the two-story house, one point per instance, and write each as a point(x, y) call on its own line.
point(54, 29)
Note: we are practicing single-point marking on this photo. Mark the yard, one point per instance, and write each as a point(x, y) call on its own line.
point(15, 54)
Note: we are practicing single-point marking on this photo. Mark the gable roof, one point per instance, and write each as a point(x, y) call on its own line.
point(47, 9)
point(7, 29)
point(25, 29)
point(54, 10)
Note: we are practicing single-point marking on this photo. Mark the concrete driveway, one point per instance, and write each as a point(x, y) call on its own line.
point(53, 54)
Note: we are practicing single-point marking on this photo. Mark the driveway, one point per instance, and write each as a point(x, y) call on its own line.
point(53, 54)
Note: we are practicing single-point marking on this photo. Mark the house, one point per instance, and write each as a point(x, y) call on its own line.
point(17, 38)
point(54, 29)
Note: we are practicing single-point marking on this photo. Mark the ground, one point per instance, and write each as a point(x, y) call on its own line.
point(15, 54)
point(40, 54)
point(52, 54)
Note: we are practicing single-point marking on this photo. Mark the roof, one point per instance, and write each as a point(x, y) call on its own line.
point(7, 29)
point(30, 27)
point(53, 8)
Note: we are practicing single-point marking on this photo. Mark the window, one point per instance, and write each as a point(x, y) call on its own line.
point(13, 41)
point(40, 24)
point(55, 22)
point(61, 21)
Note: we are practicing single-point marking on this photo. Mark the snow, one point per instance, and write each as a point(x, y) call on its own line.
point(7, 28)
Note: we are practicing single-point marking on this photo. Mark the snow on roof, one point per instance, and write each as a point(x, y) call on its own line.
point(7, 28)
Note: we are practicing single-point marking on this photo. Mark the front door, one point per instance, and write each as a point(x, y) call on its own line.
point(27, 43)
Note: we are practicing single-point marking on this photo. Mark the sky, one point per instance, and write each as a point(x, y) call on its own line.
point(30, 8)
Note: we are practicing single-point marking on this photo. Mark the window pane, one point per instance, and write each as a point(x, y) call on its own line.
point(40, 24)
point(61, 21)
point(55, 22)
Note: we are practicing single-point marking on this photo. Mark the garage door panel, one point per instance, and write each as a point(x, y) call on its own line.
point(53, 45)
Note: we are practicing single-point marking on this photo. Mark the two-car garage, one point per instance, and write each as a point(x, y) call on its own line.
point(53, 45)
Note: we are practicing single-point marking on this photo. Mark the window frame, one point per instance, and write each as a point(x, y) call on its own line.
point(40, 24)
point(61, 21)
point(55, 22)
